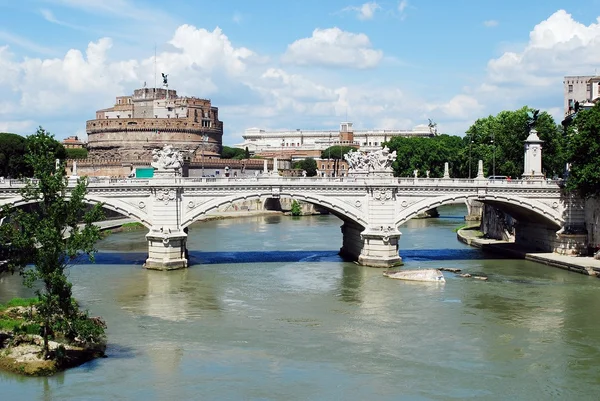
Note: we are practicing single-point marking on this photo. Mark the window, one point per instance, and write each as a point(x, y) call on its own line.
point(322, 167)
point(589, 87)
point(570, 88)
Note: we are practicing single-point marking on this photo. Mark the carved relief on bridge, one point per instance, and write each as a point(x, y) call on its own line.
point(383, 195)
point(165, 195)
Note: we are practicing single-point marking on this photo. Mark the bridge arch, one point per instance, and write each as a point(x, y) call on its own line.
point(338, 208)
point(521, 208)
point(115, 205)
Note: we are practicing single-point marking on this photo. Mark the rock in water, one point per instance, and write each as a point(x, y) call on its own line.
point(417, 275)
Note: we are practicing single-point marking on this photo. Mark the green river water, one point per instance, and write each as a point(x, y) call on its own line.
point(268, 311)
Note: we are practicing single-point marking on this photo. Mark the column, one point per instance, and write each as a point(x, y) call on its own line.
point(166, 240)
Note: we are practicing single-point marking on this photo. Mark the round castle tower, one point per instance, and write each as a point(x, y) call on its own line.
point(151, 118)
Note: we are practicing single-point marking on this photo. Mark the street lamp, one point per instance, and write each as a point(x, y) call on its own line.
point(493, 155)
point(329, 155)
point(204, 141)
point(470, 145)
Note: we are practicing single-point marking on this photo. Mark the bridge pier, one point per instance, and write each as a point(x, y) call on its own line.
point(374, 247)
point(166, 250)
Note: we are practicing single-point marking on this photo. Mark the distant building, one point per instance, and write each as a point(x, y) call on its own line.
point(584, 89)
point(151, 118)
point(301, 143)
point(72, 142)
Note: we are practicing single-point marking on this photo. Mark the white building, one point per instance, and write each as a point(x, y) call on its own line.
point(580, 88)
point(258, 140)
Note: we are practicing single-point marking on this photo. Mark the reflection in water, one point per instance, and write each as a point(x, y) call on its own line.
point(175, 295)
point(351, 283)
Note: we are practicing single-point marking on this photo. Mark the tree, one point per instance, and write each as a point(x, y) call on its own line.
point(76, 153)
point(583, 152)
point(309, 165)
point(246, 153)
point(499, 142)
point(37, 236)
point(233, 153)
point(422, 154)
point(12, 149)
point(337, 154)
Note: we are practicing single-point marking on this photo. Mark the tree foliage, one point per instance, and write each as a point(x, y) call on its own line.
point(12, 155)
point(424, 154)
point(37, 236)
point(233, 153)
point(309, 165)
point(336, 152)
point(583, 152)
point(76, 153)
point(499, 142)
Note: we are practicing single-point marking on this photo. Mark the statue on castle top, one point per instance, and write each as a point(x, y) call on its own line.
point(532, 117)
point(432, 127)
point(165, 82)
point(167, 158)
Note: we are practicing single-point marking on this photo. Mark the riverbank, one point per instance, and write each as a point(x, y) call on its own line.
point(580, 264)
point(21, 348)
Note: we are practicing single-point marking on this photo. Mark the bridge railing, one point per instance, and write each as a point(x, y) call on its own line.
point(402, 181)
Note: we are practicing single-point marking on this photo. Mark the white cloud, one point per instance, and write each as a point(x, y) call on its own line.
point(402, 7)
point(364, 12)
point(557, 46)
point(491, 23)
point(333, 47)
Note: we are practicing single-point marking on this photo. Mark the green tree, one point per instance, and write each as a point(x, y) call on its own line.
point(233, 153)
point(422, 154)
point(37, 237)
point(296, 208)
point(246, 153)
point(76, 153)
point(12, 149)
point(583, 152)
point(499, 142)
point(309, 165)
point(337, 154)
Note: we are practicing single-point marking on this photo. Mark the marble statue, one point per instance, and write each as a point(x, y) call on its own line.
point(167, 158)
point(377, 161)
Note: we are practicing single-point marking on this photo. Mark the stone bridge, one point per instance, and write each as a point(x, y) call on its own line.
point(370, 207)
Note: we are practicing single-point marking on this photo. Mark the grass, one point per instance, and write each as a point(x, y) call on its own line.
point(132, 226)
point(18, 302)
point(15, 324)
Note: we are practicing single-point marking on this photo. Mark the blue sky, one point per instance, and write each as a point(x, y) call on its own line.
point(294, 64)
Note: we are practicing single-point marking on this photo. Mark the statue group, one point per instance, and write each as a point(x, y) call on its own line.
point(167, 158)
point(379, 161)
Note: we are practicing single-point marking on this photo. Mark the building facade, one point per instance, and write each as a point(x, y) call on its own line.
point(584, 89)
point(292, 143)
point(151, 118)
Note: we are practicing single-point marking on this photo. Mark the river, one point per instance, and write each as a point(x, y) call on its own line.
point(268, 311)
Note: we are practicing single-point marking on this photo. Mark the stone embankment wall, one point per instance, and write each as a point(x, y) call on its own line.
point(496, 224)
point(592, 223)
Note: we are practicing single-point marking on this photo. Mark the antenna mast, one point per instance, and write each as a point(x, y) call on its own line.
point(154, 90)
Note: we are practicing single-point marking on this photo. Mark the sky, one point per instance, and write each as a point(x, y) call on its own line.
point(287, 64)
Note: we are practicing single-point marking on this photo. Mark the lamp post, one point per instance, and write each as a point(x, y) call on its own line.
point(329, 155)
point(204, 140)
point(470, 145)
point(493, 155)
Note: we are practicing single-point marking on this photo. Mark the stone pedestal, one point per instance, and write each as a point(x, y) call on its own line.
point(380, 248)
point(166, 250)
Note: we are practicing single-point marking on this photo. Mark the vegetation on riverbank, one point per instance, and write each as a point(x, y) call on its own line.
point(66, 334)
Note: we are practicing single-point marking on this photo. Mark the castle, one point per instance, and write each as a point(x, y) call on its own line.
point(151, 118)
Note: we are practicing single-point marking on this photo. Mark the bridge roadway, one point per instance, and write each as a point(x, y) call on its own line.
point(371, 207)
